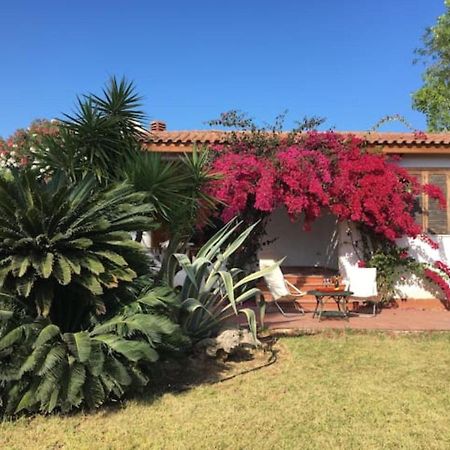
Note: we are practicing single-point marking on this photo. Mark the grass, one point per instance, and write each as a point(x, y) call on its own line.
point(329, 391)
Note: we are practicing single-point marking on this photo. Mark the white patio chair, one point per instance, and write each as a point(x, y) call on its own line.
point(363, 283)
point(281, 289)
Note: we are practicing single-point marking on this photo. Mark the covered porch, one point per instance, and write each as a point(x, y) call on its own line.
point(328, 249)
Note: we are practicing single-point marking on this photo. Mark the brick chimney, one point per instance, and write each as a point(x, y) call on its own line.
point(157, 125)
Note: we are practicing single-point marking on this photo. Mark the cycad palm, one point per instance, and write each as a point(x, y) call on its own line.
point(63, 245)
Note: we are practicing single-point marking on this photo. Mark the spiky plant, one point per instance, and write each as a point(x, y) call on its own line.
point(43, 369)
point(177, 190)
point(62, 245)
point(212, 294)
point(97, 138)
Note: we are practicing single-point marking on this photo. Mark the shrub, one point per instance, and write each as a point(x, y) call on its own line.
point(43, 369)
point(63, 245)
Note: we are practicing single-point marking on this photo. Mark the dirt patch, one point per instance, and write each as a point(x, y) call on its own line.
point(194, 370)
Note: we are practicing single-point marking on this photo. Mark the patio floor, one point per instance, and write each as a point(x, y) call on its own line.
point(402, 319)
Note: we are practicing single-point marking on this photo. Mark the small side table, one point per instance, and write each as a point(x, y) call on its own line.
point(340, 297)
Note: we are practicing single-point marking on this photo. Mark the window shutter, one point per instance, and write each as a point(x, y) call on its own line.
point(437, 217)
point(418, 201)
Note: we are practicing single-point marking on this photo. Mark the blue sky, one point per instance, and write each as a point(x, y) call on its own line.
point(349, 61)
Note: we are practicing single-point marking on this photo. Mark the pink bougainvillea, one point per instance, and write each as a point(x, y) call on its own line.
point(321, 170)
point(438, 280)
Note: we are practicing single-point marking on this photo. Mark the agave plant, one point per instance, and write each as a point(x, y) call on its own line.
point(62, 246)
point(43, 369)
point(212, 294)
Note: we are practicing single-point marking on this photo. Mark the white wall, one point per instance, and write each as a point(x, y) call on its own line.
point(412, 287)
point(425, 162)
point(315, 248)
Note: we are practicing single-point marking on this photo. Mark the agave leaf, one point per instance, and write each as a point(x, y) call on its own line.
point(247, 294)
point(191, 304)
point(259, 273)
point(209, 249)
point(185, 263)
point(229, 288)
point(251, 320)
point(233, 246)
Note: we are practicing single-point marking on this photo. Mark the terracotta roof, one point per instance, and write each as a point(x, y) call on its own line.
point(216, 137)
point(402, 143)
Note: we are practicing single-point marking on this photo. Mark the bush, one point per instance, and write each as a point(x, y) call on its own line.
point(62, 246)
point(45, 369)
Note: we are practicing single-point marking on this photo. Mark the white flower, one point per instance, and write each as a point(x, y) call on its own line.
point(42, 170)
point(12, 153)
point(32, 149)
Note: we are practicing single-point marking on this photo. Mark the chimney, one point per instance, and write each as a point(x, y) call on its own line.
point(157, 125)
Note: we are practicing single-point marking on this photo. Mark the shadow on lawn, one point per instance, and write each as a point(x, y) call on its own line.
point(176, 376)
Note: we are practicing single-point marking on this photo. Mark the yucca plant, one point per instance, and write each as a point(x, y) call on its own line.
point(62, 245)
point(43, 369)
point(177, 190)
point(98, 138)
point(212, 294)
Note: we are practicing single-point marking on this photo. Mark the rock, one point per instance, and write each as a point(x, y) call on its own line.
point(227, 342)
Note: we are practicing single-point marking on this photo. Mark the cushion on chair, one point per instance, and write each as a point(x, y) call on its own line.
point(363, 282)
point(274, 280)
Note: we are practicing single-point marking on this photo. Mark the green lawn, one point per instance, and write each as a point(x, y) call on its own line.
point(334, 391)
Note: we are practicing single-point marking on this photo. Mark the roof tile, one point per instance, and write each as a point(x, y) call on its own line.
point(189, 137)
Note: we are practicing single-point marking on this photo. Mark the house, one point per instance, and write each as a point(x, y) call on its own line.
point(331, 245)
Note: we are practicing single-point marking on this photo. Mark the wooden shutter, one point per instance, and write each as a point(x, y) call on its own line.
point(418, 204)
point(437, 217)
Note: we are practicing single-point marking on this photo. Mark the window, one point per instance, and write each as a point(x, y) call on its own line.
point(427, 212)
